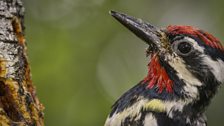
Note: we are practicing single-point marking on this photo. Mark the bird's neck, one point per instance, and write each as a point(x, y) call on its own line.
point(157, 76)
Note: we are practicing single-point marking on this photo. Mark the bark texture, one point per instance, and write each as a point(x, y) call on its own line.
point(19, 104)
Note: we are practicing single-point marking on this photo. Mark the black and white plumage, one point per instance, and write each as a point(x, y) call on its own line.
point(185, 70)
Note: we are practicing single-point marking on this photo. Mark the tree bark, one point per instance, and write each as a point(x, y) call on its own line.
point(19, 104)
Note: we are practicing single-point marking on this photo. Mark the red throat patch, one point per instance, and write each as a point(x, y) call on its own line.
point(209, 39)
point(157, 76)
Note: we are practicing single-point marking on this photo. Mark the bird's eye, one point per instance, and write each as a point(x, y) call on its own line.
point(183, 48)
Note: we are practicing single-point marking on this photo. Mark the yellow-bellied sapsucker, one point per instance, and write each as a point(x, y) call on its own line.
point(185, 70)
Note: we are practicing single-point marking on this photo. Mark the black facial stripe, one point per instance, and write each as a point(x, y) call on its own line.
point(212, 52)
point(202, 73)
point(178, 83)
point(195, 66)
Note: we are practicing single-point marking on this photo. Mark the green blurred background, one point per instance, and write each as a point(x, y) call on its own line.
point(82, 59)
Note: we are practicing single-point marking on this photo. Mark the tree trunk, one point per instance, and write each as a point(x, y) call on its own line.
point(19, 104)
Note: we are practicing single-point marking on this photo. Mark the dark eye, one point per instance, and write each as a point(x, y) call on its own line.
point(183, 48)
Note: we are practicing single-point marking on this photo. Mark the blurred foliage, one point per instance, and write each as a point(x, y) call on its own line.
point(82, 59)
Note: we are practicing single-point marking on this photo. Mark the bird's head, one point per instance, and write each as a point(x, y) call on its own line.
point(184, 60)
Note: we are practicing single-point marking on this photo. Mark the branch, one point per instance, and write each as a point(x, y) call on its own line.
point(19, 104)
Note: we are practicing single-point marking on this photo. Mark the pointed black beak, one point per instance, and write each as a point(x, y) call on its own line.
point(148, 33)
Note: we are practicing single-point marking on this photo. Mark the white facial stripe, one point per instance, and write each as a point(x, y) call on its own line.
point(216, 66)
point(182, 72)
point(189, 79)
point(194, 43)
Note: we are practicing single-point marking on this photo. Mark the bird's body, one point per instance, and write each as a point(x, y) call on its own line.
point(138, 107)
point(185, 70)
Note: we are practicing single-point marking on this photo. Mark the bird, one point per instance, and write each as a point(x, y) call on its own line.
point(185, 71)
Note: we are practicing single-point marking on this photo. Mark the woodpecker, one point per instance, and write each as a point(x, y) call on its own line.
point(185, 70)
